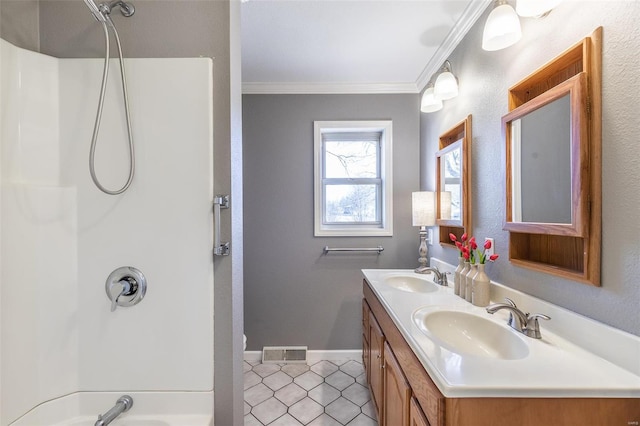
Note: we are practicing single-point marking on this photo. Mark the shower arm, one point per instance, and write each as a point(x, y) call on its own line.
point(103, 10)
point(126, 9)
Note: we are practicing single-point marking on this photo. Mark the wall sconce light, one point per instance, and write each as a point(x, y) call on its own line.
point(535, 8)
point(502, 28)
point(429, 101)
point(446, 84)
point(423, 208)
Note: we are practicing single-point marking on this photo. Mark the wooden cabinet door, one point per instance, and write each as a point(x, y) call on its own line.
point(365, 318)
point(397, 393)
point(366, 358)
point(376, 361)
point(416, 416)
point(366, 351)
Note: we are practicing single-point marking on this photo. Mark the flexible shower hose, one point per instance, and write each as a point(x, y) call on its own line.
point(96, 127)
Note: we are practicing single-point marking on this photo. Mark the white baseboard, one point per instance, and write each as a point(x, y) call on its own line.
point(315, 356)
point(253, 356)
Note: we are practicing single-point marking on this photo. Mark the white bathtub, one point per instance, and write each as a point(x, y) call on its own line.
point(149, 409)
point(128, 420)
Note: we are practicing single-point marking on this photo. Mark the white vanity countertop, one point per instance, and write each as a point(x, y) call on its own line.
point(554, 367)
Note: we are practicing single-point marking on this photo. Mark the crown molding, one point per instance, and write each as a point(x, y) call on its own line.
point(252, 88)
point(471, 14)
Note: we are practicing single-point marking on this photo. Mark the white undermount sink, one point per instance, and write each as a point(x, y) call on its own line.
point(410, 283)
point(469, 334)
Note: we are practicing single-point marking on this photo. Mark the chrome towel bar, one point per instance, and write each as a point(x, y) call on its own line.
point(378, 249)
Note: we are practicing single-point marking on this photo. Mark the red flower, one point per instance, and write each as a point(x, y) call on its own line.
point(481, 255)
point(464, 237)
point(465, 254)
point(459, 245)
point(472, 243)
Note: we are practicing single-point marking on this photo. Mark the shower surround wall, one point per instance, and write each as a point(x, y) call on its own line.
point(61, 237)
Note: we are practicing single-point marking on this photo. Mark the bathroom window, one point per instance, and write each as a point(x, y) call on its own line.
point(353, 188)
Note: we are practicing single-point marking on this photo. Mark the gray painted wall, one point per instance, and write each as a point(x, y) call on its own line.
point(294, 295)
point(172, 29)
point(484, 80)
point(19, 23)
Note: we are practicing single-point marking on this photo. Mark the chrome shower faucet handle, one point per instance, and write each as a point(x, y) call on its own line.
point(126, 286)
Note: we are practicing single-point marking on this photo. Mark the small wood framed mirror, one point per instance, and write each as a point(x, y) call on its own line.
point(453, 190)
point(553, 143)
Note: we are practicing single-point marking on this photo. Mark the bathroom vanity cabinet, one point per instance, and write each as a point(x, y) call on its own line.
point(401, 389)
point(404, 394)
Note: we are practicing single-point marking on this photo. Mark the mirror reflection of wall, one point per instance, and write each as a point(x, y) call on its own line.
point(445, 205)
point(541, 166)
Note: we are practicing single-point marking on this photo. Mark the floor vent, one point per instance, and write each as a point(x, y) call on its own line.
point(284, 354)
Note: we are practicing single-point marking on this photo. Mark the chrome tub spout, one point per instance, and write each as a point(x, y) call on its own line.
point(123, 404)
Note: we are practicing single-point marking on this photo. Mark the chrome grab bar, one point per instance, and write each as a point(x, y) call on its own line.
point(378, 249)
point(219, 202)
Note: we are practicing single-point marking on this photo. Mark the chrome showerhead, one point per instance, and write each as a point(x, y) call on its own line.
point(95, 11)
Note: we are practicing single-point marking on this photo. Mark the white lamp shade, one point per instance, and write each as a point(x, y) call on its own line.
point(424, 208)
point(429, 102)
point(445, 205)
point(502, 28)
point(446, 86)
point(535, 8)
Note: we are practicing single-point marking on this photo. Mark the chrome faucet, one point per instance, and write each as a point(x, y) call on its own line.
point(525, 323)
point(123, 404)
point(439, 278)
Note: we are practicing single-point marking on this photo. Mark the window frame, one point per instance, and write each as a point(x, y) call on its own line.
point(349, 229)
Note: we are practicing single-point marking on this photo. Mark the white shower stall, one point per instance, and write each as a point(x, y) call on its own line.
point(65, 357)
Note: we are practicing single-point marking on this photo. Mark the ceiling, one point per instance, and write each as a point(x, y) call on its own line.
point(349, 46)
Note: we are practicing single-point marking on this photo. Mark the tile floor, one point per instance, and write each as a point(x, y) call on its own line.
point(327, 393)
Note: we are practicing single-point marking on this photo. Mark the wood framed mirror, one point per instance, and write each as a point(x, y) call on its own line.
point(547, 162)
point(453, 176)
point(553, 179)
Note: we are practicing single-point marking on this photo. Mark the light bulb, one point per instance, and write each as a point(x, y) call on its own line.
point(429, 102)
point(446, 86)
